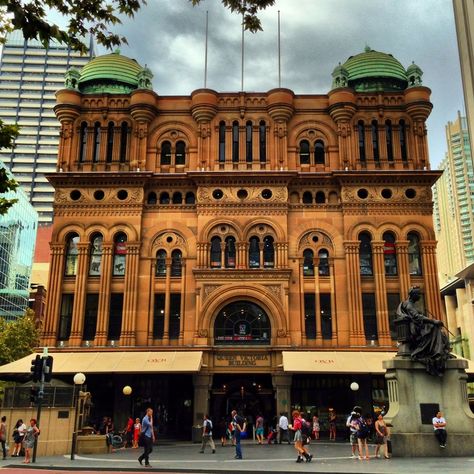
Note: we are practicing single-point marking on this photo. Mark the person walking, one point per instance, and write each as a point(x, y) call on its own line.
point(332, 424)
point(3, 436)
point(283, 428)
point(350, 423)
point(259, 428)
point(31, 434)
point(207, 435)
point(439, 426)
point(148, 437)
point(128, 432)
point(297, 427)
point(239, 426)
point(137, 429)
point(381, 437)
point(18, 434)
point(223, 428)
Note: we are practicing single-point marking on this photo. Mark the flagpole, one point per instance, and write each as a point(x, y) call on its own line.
point(243, 54)
point(279, 52)
point(205, 53)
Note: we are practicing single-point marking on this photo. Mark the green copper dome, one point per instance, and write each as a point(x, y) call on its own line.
point(373, 71)
point(112, 73)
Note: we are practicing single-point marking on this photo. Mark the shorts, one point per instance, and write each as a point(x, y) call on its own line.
point(259, 431)
point(353, 438)
point(298, 436)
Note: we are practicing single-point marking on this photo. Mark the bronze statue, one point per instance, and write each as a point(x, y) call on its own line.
point(427, 338)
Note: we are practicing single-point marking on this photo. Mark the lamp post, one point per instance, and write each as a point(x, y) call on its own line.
point(79, 380)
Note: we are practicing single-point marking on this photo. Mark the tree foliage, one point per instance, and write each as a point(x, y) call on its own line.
point(18, 338)
point(8, 133)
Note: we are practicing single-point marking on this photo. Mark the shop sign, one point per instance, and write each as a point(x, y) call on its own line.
point(242, 360)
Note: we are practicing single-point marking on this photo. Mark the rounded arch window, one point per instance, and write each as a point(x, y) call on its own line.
point(320, 197)
point(414, 254)
point(365, 254)
point(190, 198)
point(120, 252)
point(216, 252)
point(268, 252)
point(242, 322)
point(254, 252)
point(307, 197)
point(323, 266)
point(304, 152)
point(389, 254)
point(72, 253)
point(308, 262)
point(176, 263)
point(160, 270)
point(165, 153)
point(164, 198)
point(180, 153)
point(229, 253)
point(95, 262)
point(151, 198)
point(177, 198)
point(319, 152)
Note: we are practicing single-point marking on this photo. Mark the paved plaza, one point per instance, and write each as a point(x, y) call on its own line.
point(185, 457)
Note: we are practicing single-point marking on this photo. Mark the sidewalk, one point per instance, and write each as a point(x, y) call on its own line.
point(185, 457)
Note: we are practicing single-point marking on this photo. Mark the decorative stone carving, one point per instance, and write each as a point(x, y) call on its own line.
point(169, 240)
point(208, 289)
point(275, 290)
point(203, 333)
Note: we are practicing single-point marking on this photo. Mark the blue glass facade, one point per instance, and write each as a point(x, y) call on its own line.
point(17, 243)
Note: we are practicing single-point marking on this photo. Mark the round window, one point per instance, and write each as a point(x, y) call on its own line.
point(410, 193)
point(122, 194)
point(363, 193)
point(242, 193)
point(267, 194)
point(75, 195)
point(386, 193)
point(315, 238)
point(217, 194)
point(169, 239)
point(99, 195)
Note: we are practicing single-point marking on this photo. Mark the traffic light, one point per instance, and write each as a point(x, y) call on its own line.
point(34, 395)
point(36, 368)
point(48, 369)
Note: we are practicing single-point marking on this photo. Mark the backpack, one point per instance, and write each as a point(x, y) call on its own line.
point(207, 426)
point(363, 431)
point(306, 428)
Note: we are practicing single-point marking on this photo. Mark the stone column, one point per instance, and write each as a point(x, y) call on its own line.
point(304, 338)
point(282, 386)
point(430, 277)
point(202, 387)
point(80, 289)
point(166, 328)
point(381, 293)
point(317, 303)
point(151, 302)
point(401, 247)
point(183, 301)
point(53, 306)
point(127, 337)
point(333, 303)
point(104, 295)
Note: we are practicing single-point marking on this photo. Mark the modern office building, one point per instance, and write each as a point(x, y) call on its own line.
point(17, 241)
point(29, 77)
point(237, 250)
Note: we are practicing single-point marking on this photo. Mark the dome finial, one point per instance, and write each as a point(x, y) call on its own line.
point(367, 48)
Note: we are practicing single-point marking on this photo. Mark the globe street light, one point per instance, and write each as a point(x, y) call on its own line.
point(127, 390)
point(78, 380)
point(354, 386)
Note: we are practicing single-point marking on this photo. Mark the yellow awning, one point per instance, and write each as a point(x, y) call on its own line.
point(335, 362)
point(113, 362)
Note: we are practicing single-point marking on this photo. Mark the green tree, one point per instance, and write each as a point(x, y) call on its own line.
point(8, 133)
point(18, 338)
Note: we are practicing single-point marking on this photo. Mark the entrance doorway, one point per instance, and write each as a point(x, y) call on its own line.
point(250, 395)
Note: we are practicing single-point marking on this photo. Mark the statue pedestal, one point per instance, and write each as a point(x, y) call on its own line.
point(413, 395)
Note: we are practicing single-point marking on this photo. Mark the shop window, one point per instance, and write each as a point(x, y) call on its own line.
point(190, 198)
point(310, 315)
point(307, 197)
point(160, 270)
point(152, 199)
point(96, 151)
point(222, 141)
point(165, 153)
point(308, 263)
point(216, 253)
point(177, 198)
point(72, 254)
point(262, 138)
point(65, 317)
point(176, 263)
point(403, 139)
point(389, 139)
point(248, 142)
point(389, 254)
point(120, 252)
point(115, 317)
point(319, 152)
point(375, 139)
point(304, 152)
point(414, 254)
point(175, 315)
point(235, 142)
point(180, 153)
point(242, 322)
point(361, 134)
point(164, 198)
point(326, 315)
point(124, 130)
point(229, 254)
point(365, 254)
point(323, 267)
point(320, 197)
point(83, 142)
point(268, 252)
point(90, 317)
point(110, 142)
point(159, 316)
point(95, 262)
point(254, 252)
point(369, 312)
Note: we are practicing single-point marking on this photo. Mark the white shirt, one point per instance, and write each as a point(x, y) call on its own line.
point(439, 420)
point(283, 423)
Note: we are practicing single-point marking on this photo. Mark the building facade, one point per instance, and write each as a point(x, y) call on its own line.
point(270, 234)
point(17, 242)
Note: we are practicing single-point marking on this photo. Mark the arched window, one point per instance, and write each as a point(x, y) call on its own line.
point(151, 198)
point(262, 141)
point(308, 262)
point(164, 198)
point(319, 152)
point(361, 134)
point(110, 142)
point(120, 252)
point(180, 153)
point(190, 198)
point(95, 155)
point(389, 138)
point(177, 198)
point(323, 267)
point(222, 141)
point(95, 262)
point(268, 252)
point(72, 254)
point(216, 252)
point(248, 142)
point(160, 270)
point(389, 254)
point(375, 139)
point(320, 197)
point(165, 153)
point(365, 254)
point(235, 141)
point(254, 252)
point(307, 197)
point(304, 152)
point(229, 254)
point(403, 139)
point(83, 141)
point(176, 263)
point(414, 254)
point(123, 142)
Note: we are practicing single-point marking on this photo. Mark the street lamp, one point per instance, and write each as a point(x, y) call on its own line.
point(127, 390)
point(354, 386)
point(79, 380)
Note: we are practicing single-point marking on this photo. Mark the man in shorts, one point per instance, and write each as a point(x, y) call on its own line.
point(350, 423)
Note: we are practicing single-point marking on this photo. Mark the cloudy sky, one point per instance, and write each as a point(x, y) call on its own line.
point(168, 36)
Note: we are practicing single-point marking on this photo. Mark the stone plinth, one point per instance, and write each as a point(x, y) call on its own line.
point(409, 387)
point(91, 444)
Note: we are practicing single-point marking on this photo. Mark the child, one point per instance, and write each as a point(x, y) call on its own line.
point(315, 427)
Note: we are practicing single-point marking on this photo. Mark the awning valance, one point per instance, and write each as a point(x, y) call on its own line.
point(113, 362)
